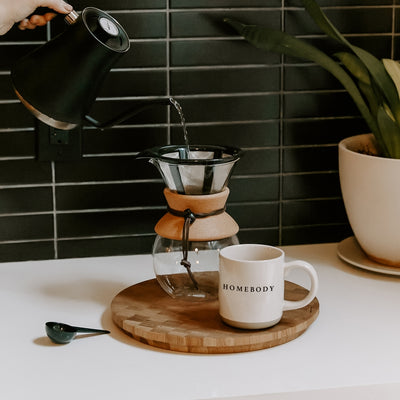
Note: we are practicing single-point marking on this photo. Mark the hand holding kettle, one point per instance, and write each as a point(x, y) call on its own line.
point(19, 10)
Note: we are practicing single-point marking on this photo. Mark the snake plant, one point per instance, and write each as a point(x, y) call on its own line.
point(373, 84)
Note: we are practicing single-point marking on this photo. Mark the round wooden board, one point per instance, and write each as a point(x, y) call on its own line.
point(151, 316)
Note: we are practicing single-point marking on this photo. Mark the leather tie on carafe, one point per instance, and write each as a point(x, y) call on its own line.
point(190, 217)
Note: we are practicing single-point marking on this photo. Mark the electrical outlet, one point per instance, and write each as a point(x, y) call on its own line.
point(58, 145)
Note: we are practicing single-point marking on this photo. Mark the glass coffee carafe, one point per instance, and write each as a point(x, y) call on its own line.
point(196, 226)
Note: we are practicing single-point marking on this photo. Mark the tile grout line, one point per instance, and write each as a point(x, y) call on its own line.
point(168, 65)
point(207, 39)
point(151, 234)
point(196, 96)
point(159, 180)
point(162, 208)
point(54, 212)
point(393, 29)
point(281, 119)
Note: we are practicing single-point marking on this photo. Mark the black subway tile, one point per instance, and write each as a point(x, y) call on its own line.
point(26, 227)
point(142, 25)
point(225, 80)
point(122, 140)
point(17, 144)
point(28, 251)
point(23, 200)
point(226, 108)
point(108, 196)
point(6, 88)
point(254, 189)
point(125, 83)
point(258, 161)
point(311, 212)
point(98, 169)
point(218, 52)
point(325, 3)
point(14, 172)
point(347, 21)
point(224, 3)
point(107, 223)
point(314, 158)
point(321, 131)
point(15, 116)
point(397, 20)
point(242, 135)
point(269, 236)
point(210, 23)
point(144, 54)
point(105, 246)
point(255, 215)
point(396, 55)
point(311, 185)
point(315, 234)
point(316, 104)
point(108, 5)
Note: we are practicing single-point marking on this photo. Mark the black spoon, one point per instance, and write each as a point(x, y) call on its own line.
point(62, 333)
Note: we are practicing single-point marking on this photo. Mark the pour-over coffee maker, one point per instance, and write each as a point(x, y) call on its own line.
point(196, 226)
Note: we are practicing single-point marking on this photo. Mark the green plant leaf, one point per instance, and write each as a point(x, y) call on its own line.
point(374, 81)
point(282, 43)
point(278, 42)
point(381, 77)
point(355, 66)
point(374, 66)
point(370, 95)
point(390, 131)
point(360, 72)
point(393, 69)
point(323, 21)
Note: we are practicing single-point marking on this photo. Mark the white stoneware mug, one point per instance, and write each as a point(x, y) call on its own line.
point(251, 285)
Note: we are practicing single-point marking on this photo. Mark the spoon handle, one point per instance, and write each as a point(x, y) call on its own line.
point(90, 330)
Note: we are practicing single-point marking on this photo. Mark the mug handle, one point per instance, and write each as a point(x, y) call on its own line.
point(293, 305)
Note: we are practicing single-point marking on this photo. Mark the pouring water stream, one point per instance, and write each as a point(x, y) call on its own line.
point(185, 154)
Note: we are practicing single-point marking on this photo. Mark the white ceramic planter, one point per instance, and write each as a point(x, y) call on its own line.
point(371, 193)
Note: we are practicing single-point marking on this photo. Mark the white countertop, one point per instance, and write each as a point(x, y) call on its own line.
point(351, 351)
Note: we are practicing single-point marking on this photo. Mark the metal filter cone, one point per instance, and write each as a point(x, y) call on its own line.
point(202, 170)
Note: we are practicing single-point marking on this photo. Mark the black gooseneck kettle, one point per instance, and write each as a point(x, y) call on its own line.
point(58, 81)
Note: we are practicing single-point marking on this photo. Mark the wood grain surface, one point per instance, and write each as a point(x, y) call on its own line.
point(151, 316)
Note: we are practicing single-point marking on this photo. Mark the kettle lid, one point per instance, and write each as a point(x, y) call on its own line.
point(106, 29)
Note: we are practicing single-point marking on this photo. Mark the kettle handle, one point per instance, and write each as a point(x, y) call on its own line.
point(69, 18)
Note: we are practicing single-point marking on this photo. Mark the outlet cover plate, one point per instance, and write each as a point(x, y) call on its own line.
point(57, 144)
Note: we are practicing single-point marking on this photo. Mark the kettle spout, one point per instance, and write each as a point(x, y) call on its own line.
point(143, 105)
